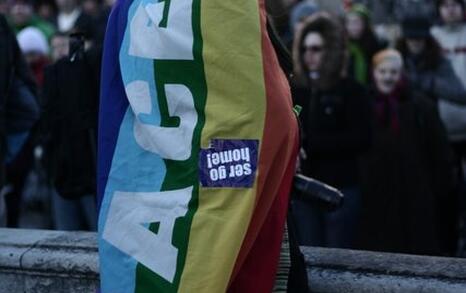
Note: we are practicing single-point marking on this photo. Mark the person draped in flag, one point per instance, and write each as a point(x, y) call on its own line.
point(197, 148)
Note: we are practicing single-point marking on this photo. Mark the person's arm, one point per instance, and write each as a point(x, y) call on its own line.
point(21, 106)
point(447, 85)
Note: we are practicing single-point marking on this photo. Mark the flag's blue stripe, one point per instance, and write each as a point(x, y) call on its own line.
point(130, 168)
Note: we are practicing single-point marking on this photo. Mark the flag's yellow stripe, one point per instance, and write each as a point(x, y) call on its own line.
point(235, 109)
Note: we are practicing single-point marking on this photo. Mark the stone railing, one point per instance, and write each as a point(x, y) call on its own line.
point(339, 270)
point(51, 261)
point(48, 261)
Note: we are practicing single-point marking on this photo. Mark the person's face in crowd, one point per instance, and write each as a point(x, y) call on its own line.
point(387, 74)
point(66, 5)
point(313, 49)
point(451, 12)
point(4, 7)
point(354, 26)
point(45, 11)
point(60, 47)
point(416, 46)
point(21, 13)
point(91, 7)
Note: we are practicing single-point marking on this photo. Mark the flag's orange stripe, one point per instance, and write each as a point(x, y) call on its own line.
point(278, 143)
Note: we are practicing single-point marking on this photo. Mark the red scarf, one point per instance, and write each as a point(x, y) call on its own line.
point(387, 107)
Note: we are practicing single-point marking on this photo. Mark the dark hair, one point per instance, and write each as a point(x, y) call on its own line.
point(334, 57)
point(438, 3)
point(431, 56)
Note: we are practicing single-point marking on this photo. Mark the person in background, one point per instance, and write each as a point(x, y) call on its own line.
point(99, 12)
point(70, 100)
point(279, 15)
point(46, 9)
point(22, 15)
point(35, 49)
point(390, 11)
point(20, 112)
point(425, 66)
point(59, 46)
point(408, 171)
point(336, 130)
point(298, 14)
point(333, 7)
point(362, 42)
point(429, 72)
point(71, 18)
point(451, 34)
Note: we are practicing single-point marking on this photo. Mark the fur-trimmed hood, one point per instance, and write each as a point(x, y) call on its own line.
point(333, 62)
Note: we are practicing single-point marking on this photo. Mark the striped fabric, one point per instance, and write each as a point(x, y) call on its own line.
point(197, 147)
point(284, 265)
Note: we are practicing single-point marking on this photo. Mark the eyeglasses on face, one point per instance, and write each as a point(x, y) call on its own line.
point(313, 48)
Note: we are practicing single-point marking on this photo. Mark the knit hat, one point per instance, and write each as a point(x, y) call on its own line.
point(385, 55)
point(416, 27)
point(32, 40)
point(361, 10)
point(301, 11)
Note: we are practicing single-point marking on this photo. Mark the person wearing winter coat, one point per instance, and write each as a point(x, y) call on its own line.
point(407, 173)
point(425, 66)
point(69, 128)
point(451, 34)
point(429, 72)
point(389, 11)
point(336, 130)
point(362, 42)
point(19, 112)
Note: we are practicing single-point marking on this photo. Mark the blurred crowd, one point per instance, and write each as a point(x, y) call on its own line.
point(382, 90)
point(381, 85)
point(50, 55)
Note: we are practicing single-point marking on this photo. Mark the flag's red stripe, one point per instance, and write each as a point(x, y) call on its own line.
point(257, 261)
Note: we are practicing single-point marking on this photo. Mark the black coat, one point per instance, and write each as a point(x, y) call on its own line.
point(405, 177)
point(69, 124)
point(18, 106)
point(336, 128)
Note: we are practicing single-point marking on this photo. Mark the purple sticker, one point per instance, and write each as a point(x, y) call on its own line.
point(229, 163)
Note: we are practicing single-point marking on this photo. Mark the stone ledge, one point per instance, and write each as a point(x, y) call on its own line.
point(337, 270)
point(53, 261)
point(48, 261)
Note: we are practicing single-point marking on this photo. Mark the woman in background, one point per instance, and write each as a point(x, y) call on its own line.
point(336, 130)
point(362, 43)
point(408, 171)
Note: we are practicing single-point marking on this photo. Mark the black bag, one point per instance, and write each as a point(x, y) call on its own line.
point(311, 190)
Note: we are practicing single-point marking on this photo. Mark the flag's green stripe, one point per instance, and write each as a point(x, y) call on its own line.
point(185, 173)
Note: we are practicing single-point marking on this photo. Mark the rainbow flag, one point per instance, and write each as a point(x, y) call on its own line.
point(197, 147)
